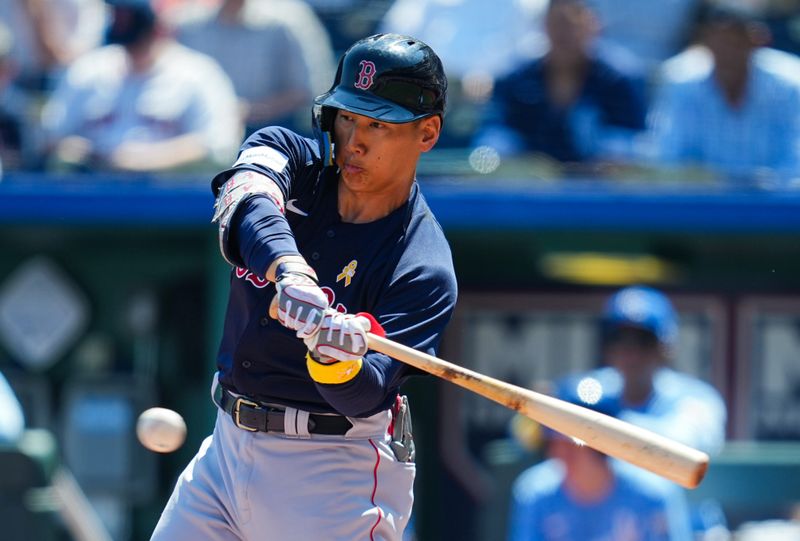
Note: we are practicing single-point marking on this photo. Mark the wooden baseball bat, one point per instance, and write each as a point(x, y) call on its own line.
point(658, 454)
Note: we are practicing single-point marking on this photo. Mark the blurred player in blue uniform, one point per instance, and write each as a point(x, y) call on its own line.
point(639, 330)
point(640, 333)
point(332, 236)
point(577, 494)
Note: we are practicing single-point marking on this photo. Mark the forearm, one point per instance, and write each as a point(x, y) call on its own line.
point(370, 389)
point(263, 237)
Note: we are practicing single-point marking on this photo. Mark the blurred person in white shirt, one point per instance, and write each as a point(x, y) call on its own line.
point(142, 103)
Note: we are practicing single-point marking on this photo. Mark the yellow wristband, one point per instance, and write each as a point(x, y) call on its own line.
point(338, 372)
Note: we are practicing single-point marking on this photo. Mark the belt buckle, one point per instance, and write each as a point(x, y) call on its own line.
point(236, 406)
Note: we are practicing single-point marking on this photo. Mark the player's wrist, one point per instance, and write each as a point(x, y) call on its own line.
point(290, 264)
point(330, 371)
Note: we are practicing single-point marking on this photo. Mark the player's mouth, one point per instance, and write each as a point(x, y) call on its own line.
point(351, 169)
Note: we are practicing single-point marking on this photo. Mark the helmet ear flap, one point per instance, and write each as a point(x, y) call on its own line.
point(326, 118)
point(322, 120)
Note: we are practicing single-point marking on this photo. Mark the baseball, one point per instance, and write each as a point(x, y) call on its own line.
point(161, 430)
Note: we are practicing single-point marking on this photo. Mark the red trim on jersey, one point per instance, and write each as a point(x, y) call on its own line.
point(375, 489)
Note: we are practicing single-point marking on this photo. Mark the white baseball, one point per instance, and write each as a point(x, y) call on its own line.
point(161, 430)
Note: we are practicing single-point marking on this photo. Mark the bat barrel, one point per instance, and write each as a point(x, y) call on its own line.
point(614, 437)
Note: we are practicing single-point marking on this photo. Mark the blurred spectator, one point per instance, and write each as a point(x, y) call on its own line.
point(571, 104)
point(276, 53)
point(49, 34)
point(142, 103)
point(12, 421)
point(478, 41)
point(640, 35)
point(741, 118)
point(578, 495)
point(472, 37)
point(12, 107)
point(640, 332)
point(350, 20)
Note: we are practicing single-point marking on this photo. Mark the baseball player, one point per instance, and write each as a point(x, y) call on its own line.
point(578, 494)
point(312, 440)
point(639, 328)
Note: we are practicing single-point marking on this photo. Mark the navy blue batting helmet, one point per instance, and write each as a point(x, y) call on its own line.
point(643, 308)
point(388, 77)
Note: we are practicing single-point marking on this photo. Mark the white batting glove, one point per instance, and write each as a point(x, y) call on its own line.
point(341, 337)
point(301, 303)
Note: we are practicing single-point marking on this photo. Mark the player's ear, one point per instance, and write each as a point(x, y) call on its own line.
point(429, 130)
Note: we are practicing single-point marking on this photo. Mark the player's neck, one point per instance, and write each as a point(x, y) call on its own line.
point(360, 207)
point(144, 56)
point(589, 483)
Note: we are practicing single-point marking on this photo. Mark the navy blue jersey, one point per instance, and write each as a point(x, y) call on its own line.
point(398, 268)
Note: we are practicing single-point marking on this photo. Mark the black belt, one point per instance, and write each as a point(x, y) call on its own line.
point(255, 417)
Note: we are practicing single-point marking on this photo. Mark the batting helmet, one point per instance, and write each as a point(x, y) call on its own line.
point(388, 77)
point(644, 308)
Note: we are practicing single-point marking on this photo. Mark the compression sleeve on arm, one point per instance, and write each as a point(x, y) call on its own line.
point(368, 390)
point(261, 234)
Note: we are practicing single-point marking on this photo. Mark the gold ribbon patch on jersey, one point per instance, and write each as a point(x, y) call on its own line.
point(347, 273)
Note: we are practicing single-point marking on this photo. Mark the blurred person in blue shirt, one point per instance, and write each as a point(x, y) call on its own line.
point(12, 420)
point(571, 104)
point(642, 34)
point(577, 493)
point(640, 333)
point(731, 107)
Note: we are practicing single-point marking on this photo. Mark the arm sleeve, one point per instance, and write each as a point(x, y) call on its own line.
point(259, 230)
point(414, 312)
point(261, 235)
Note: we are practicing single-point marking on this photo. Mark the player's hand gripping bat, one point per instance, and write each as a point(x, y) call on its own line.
point(658, 454)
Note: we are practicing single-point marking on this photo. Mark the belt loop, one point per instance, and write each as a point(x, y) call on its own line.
point(295, 423)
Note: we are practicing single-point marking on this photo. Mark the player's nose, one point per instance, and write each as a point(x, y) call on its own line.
point(355, 139)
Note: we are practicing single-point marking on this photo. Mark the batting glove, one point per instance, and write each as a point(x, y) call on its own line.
point(341, 337)
point(336, 352)
point(300, 301)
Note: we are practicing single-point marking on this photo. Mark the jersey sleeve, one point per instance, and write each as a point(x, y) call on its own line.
point(414, 310)
point(282, 155)
point(258, 231)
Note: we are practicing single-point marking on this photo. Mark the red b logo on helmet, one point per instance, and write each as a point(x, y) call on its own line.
point(365, 75)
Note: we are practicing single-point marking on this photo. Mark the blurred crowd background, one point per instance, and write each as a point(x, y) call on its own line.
point(703, 89)
point(588, 145)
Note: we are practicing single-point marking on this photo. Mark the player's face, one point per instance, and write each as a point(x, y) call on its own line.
point(375, 156)
point(635, 353)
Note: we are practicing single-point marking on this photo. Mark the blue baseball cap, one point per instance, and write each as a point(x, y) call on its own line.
point(587, 392)
point(644, 308)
